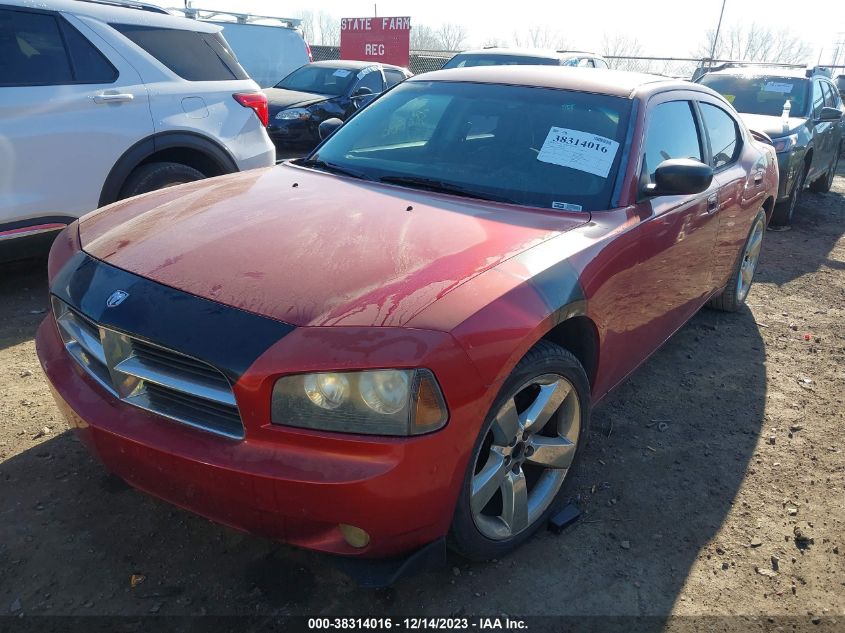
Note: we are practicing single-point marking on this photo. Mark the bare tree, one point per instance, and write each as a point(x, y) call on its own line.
point(452, 36)
point(494, 42)
point(540, 36)
point(755, 43)
point(619, 45)
point(424, 38)
point(307, 26)
point(329, 27)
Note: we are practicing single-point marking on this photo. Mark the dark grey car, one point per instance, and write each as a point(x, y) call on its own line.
point(801, 112)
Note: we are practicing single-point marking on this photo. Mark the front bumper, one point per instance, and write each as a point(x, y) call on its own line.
point(286, 484)
point(288, 135)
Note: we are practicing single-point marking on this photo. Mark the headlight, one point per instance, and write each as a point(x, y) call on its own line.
point(379, 402)
point(785, 143)
point(293, 114)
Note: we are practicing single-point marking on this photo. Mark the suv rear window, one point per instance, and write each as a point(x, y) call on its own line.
point(191, 55)
point(493, 59)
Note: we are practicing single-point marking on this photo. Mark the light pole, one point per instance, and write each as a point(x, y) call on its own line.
point(716, 36)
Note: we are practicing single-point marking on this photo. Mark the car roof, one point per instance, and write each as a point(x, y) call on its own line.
point(618, 83)
point(525, 52)
point(122, 12)
point(352, 64)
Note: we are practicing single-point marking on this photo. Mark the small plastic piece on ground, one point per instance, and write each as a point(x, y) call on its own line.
point(563, 519)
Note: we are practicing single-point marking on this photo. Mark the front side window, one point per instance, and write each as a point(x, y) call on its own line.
point(831, 98)
point(371, 80)
point(724, 137)
point(192, 55)
point(818, 99)
point(32, 52)
point(530, 146)
point(764, 94)
point(672, 133)
point(322, 80)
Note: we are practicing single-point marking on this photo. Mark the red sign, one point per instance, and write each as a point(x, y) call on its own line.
point(386, 40)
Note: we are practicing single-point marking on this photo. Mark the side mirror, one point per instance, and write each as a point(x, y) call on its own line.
point(328, 127)
point(680, 176)
point(830, 114)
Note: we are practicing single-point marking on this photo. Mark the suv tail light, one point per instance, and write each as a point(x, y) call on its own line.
point(308, 50)
point(257, 101)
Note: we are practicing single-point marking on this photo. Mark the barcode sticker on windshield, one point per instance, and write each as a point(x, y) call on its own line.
point(777, 86)
point(340, 72)
point(583, 151)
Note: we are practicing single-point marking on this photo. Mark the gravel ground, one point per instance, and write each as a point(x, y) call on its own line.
point(712, 485)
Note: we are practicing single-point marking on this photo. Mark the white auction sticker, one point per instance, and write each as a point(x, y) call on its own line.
point(777, 86)
point(340, 72)
point(583, 151)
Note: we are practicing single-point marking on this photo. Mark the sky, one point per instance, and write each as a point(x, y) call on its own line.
point(668, 28)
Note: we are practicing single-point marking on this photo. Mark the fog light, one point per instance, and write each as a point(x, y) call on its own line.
point(355, 536)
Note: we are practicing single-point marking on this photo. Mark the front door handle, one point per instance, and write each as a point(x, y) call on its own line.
point(713, 203)
point(113, 97)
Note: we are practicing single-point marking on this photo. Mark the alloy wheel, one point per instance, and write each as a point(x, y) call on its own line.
point(525, 457)
point(750, 259)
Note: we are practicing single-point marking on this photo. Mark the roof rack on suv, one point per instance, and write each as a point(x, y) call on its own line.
point(196, 13)
point(130, 4)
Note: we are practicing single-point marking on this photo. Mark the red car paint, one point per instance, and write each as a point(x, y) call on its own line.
point(381, 276)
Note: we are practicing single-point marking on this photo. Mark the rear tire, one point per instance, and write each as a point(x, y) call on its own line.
point(785, 210)
point(733, 296)
point(823, 184)
point(153, 176)
point(545, 405)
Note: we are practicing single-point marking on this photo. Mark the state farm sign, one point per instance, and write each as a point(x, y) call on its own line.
point(386, 40)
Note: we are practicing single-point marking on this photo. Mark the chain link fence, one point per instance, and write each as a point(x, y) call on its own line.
point(422, 61)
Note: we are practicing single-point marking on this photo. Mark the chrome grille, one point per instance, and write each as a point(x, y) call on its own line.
point(151, 377)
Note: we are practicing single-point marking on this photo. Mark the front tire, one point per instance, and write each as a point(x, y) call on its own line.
point(153, 176)
point(733, 296)
point(823, 184)
point(782, 215)
point(524, 454)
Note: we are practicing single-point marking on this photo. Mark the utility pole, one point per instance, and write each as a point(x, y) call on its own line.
point(716, 36)
point(375, 10)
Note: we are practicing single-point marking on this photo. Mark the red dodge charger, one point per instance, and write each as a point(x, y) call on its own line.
point(399, 339)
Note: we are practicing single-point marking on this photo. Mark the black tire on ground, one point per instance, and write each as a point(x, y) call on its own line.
point(823, 184)
point(730, 299)
point(154, 176)
point(783, 212)
point(545, 357)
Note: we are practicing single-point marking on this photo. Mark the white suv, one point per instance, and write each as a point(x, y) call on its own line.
point(102, 100)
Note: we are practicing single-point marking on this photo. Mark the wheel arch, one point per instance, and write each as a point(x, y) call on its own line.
point(189, 148)
point(578, 334)
point(769, 208)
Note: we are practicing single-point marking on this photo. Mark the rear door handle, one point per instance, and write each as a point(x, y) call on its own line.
point(113, 97)
point(713, 203)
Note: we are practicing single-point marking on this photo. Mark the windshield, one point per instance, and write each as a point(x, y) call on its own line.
point(319, 79)
point(491, 59)
point(761, 95)
point(530, 146)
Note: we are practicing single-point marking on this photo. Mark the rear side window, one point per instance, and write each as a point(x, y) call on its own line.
point(32, 51)
point(89, 64)
point(191, 55)
point(724, 140)
point(672, 133)
point(600, 63)
point(393, 77)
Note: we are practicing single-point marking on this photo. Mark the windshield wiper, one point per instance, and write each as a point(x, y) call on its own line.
point(439, 186)
point(322, 165)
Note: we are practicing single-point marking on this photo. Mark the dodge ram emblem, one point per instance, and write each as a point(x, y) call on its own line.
point(116, 298)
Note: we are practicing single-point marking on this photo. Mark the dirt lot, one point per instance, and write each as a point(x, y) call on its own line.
point(699, 472)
